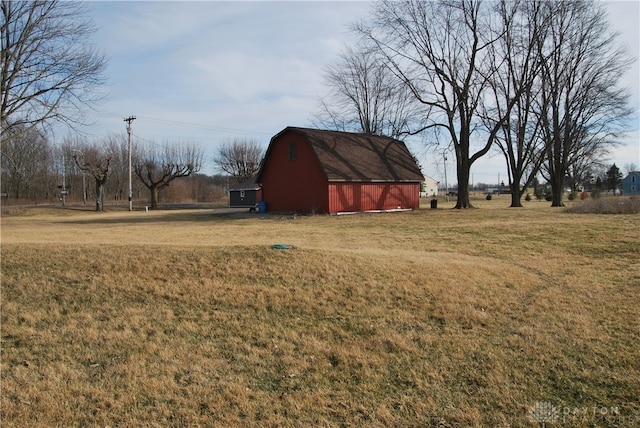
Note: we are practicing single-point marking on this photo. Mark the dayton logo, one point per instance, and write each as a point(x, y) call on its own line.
point(544, 412)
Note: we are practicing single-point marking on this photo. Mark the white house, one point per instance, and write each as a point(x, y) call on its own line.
point(428, 188)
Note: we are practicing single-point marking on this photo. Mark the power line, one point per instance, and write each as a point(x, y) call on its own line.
point(202, 126)
point(172, 147)
point(193, 125)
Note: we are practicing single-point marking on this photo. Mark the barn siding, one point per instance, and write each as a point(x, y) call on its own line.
point(348, 197)
point(315, 175)
point(294, 185)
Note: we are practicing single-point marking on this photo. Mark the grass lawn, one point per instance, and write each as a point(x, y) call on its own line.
point(437, 318)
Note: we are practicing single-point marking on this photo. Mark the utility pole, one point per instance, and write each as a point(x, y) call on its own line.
point(129, 120)
point(63, 193)
point(446, 184)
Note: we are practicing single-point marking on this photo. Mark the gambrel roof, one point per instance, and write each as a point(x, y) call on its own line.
point(345, 156)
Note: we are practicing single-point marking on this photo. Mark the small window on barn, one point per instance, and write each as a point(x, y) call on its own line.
point(293, 151)
point(242, 193)
point(633, 178)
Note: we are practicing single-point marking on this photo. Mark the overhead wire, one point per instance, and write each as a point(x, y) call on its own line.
point(187, 125)
point(200, 126)
point(193, 125)
point(168, 147)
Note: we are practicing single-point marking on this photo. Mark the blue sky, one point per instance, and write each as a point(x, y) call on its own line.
point(211, 71)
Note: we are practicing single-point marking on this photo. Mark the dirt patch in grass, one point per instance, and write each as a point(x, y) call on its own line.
point(430, 318)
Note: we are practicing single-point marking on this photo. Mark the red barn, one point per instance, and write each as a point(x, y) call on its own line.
point(311, 170)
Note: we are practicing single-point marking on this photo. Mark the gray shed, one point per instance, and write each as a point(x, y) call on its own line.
point(245, 195)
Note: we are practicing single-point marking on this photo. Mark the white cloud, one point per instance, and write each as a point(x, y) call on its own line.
point(239, 76)
point(199, 54)
point(254, 67)
point(144, 27)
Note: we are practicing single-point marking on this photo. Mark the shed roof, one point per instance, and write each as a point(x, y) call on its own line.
point(249, 184)
point(346, 156)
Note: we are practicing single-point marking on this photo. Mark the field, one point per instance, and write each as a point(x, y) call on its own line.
point(437, 318)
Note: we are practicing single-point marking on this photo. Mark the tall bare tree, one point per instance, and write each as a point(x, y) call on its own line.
point(439, 50)
point(517, 67)
point(49, 70)
point(366, 96)
point(582, 108)
point(240, 158)
point(157, 167)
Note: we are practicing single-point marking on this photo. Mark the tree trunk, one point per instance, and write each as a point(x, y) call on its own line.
point(557, 188)
point(514, 186)
point(516, 195)
point(463, 173)
point(154, 197)
point(556, 200)
point(99, 195)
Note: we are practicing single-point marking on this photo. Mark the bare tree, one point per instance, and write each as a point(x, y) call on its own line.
point(157, 167)
point(439, 50)
point(96, 161)
point(516, 60)
point(118, 147)
point(582, 108)
point(630, 167)
point(49, 71)
point(366, 96)
point(590, 157)
point(240, 158)
point(26, 164)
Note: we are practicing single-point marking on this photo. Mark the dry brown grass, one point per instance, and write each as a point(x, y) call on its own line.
point(430, 318)
point(608, 205)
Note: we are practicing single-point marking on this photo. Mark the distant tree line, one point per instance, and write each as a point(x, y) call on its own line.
point(536, 80)
point(36, 171)
point(597, 181)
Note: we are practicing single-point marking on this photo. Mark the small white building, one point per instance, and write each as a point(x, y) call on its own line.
point(429, 187)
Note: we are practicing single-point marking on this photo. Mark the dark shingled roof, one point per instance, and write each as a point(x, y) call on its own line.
point(249, 184)
point(346, 156)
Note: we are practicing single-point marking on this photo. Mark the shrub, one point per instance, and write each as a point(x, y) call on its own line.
point(572, 196)
point(488, 198)
point(528, 197)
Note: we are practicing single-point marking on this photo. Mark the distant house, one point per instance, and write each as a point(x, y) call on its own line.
point(311, 170)
point(631, 184)
point(245, 195)
point(429, 187)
